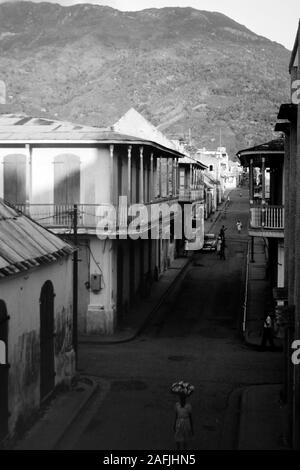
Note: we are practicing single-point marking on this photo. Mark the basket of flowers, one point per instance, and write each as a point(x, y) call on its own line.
point(182, 388)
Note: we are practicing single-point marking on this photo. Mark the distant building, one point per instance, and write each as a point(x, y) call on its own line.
point(217, 167)
point(36, 325)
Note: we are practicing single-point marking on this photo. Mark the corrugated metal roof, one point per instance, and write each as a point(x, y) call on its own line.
point(21, 128)
point(25, 244)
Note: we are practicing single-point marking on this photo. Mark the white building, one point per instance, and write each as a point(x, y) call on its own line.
point(48, 166)
point(36, 317)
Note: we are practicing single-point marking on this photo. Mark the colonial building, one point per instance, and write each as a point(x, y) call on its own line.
point(289, 125)
point(266, 164)
point(191, 198)
point(48, 166)
point(36, 317)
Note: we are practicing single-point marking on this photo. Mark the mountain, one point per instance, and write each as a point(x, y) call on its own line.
point(189, 72)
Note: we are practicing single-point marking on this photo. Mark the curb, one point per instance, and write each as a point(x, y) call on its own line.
point(242, 416)
point(73, 417)
point(147, 319)
point(231, 424)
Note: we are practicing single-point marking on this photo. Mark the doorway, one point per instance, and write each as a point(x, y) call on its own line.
point(4, 368)
point(47, 372)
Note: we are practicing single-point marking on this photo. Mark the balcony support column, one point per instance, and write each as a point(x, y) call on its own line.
point(28, 177)
point(168, 178)
point(129, 174)
point(141, 198)
point(263, 189)
point(112, 194)
point(160, 177)
point(191, 177)
point(177, 177)
point(173, 177)
point(251, 182)
point(151, 189)
point(263, 180)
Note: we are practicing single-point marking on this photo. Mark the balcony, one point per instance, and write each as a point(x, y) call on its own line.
point(269, 220)
point(60, 217)
point(190, 195)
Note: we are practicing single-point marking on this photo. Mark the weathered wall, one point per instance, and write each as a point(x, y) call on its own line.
point(21, 295)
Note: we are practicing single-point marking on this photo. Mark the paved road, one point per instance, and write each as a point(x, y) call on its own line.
point(197, 340)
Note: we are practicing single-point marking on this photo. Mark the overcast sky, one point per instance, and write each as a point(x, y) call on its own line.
point(274, 19)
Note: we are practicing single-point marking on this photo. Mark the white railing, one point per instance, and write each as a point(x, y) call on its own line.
point(268, 217)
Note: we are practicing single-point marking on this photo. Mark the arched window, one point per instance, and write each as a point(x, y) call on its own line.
point(15, 178)
point(66, 179)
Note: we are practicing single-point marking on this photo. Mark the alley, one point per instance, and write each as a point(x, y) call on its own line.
point(198, 340)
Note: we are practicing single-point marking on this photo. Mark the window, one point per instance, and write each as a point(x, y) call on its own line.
point(15, 178)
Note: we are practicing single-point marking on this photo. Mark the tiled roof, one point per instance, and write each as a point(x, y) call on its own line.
point(276, 145)
point(22, 128)
point(25, 244)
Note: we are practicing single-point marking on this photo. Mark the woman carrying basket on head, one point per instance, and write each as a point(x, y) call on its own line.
point(183, 424)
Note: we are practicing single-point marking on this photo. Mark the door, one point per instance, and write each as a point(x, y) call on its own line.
point(120, 273)
point(4, 368)
point(47, 373)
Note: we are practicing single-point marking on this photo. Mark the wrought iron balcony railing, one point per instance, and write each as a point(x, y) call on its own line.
point(61, 216)
point(188, 195)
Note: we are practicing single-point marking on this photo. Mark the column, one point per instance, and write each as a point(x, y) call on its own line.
point(168, 177)
point(129, 174)
point(160, 177)
point(191, 176)
point(151, 191)
point(251, 183)
point(28, 177)
point(263, 189)
point(112, 194)
point(173, 177)
point(263, 179)
point(141, 198)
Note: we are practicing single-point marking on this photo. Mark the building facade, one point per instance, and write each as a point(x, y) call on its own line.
point(47, 167)
point(36, 318)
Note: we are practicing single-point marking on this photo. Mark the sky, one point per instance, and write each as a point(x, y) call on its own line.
point(274, 19)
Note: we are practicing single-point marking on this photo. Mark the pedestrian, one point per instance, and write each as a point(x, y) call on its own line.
point(267, 336)
point(222, 251)
point(222, 232)
point(239, 226)
point(183, 424)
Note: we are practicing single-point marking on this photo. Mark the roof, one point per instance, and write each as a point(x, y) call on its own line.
point(24, 244)
point(288, 111)
point(270, 150)
point(19, 128)
point(187, 160)
point(133, 123)
point(295, 49)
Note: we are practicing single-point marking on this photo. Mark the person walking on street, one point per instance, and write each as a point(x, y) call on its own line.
point(239, 226)
point(183, 425)
point(222, 232)
point(267, 333)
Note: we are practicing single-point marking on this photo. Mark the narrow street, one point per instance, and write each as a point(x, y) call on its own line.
point(198, 340)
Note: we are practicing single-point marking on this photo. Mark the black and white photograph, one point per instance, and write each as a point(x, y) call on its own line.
point(149, 229)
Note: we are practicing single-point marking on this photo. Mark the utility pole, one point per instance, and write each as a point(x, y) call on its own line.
point(75, 285)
